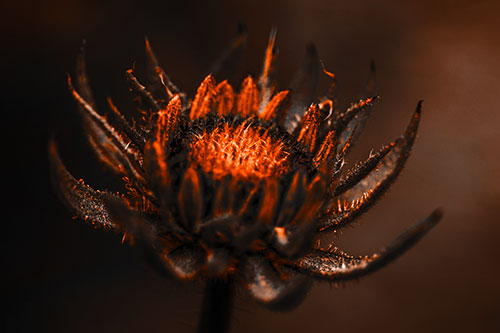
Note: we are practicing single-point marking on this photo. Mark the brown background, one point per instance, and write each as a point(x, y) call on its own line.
point(65, 277)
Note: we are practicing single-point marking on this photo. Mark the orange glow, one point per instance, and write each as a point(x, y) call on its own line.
point(309, 127)
point(270, 193)
point(277, 108)
point(204, 98)
point(327, 150)
point(242, 152)
point(248, 99)
point(167, 120)
point(264, 80)
point(225, 98)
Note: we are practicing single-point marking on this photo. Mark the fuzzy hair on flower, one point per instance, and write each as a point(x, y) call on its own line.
point(238, 183)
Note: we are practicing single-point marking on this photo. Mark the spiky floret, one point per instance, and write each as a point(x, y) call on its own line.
point(238, 184)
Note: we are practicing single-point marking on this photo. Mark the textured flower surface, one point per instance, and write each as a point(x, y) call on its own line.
point(238, 184)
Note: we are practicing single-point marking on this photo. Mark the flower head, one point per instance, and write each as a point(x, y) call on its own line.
point(238, 183)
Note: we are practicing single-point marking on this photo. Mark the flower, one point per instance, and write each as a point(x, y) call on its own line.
point(239, 185)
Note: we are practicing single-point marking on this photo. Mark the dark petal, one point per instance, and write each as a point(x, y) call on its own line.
point(269, 199)
point(190, 200)
point(336, 266)
point(83, 84)
point(363, 170)
point(276, 290)
point(227, 63)
point(294, 196)
point(350, 124)
point(146, 97)
point(247, 101)
point(158, 82)
point(217, 231)
point(303, 87)
point(111, 147)
point(371, 84)
point(86, 202)
point(142, 230)
point(135, 136)
point(85, 93)
point(185, 261)
point(267, 71)
point(223, 200)
point(357, 199)
point(294, 239)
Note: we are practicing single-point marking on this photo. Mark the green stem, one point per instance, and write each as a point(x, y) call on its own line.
point(217, 307)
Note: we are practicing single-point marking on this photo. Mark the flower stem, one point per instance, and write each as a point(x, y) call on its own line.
point(217, 307)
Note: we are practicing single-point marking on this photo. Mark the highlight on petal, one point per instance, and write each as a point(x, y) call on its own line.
point(159, 80)
point(145, 95)
point(379, 172)
point(204, 99)
point(277, 109)
point(335, 265)
point(185, 261)
point(224, 101)
point(111, 147)
point(308, 128)
point(265, 77)
point(247, 102)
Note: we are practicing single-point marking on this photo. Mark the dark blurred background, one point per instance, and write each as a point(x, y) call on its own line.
point(63, 276)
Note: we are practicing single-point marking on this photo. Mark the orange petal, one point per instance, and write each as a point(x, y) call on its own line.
point(204, 98)
point(309, 128)
point(327, 151)
point(168, 119)
point(269, 200)
point(225, 98)
point(247, 102)
point(277, 108)
point(264, 81)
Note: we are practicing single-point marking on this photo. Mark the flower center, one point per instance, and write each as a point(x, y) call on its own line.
point(240, 151)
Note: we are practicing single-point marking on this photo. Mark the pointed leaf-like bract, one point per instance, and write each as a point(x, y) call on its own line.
point(157, 76)
point(137, 139)
point(226, 64)
point(277, 109)
point(247, 102)
point(267, 69)
point(224, 101)
point(147, 98)
point(204, 99)
point(110, 146)
point(351, 123)
point(296, 237)
point(307, 131)
point(87, 203)
point(190, 199)
point(356, 200)
point(303, 87)
point(335, 266)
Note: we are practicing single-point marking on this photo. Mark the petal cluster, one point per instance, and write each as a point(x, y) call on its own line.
point(238, 183)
